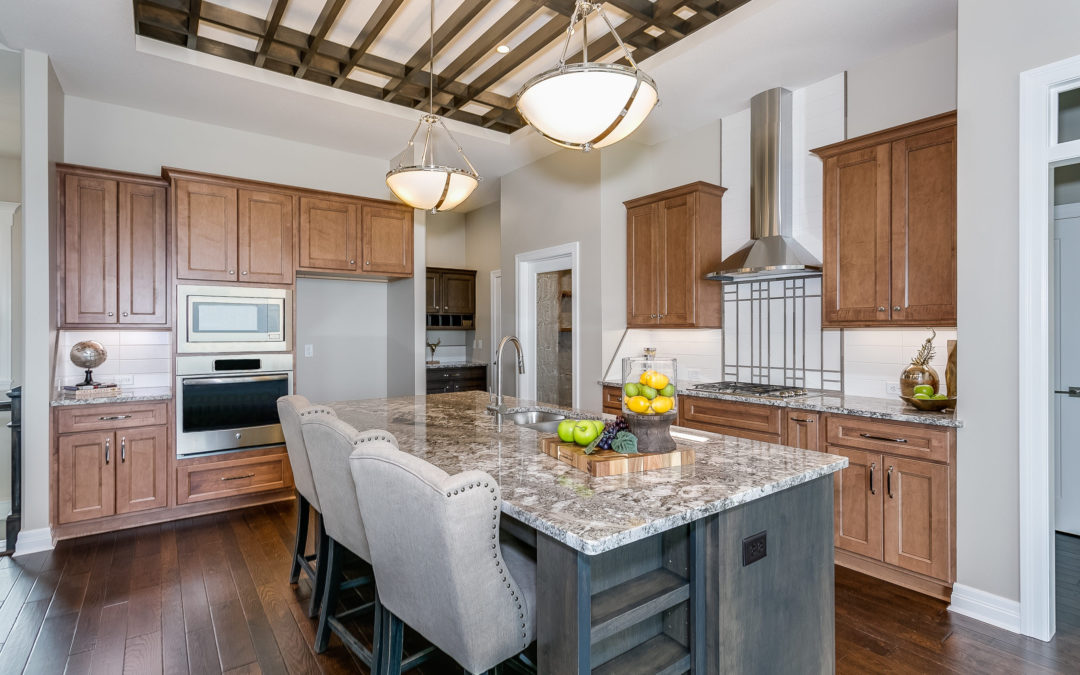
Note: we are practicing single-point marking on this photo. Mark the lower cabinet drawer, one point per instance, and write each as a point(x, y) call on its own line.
point(98, 417)
point(612, 400)
point(754, 421)
point(894, 438)
point(231, 477)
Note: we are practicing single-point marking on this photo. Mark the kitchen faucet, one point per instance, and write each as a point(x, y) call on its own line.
point(498, 368)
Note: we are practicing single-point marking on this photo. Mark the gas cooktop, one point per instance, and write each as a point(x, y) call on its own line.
point(751, 389)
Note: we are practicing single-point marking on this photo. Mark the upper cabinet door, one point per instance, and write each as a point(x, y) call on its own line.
point(856, 240)
point(328, 234)
point(141, 240)
point(642, 242)
point(924, 227)
point(432, 284)
point(265, 237)
point(458, 293)
point(675, 257)
point(89, 250)
point(387, 240)
point(205, 231)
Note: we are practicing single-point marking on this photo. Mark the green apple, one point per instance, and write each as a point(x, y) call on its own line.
point(632, 389)
point(566, 431)
point(668, 391)
point(921, 396)
point(647, 392)
point(939, 397)
point(924, 389)
point(585, 432)
point(599, 424)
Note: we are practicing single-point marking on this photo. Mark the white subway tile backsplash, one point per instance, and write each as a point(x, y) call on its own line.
point(145, 351)
point(875, 357)
point(152, 380)
point(145, 337)
point(135, 358)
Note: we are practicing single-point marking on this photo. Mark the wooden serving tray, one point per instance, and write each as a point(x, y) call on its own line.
point(611, 463)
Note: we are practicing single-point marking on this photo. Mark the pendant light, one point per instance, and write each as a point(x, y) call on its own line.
point(428, 185)
point(587, 105)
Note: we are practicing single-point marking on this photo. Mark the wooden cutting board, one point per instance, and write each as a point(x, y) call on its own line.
point(610, 463)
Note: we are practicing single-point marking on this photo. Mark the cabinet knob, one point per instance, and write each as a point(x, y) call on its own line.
point(446, 307)
point(367, 262)
point(244, 273)
point(896, 308)
point(232, 271)
point(123, 313)
point(352, 262)
point(881, 309)
point(110, 313)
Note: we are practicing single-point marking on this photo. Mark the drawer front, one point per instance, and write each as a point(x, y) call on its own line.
point(745, 420)
point(78, 418)
point(443, 374)
point(893, 438)
point(612, 401)
point(231, 477)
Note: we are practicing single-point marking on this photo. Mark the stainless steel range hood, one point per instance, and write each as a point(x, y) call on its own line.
point(772, 253)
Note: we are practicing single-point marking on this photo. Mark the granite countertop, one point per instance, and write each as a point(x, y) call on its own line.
point(836, 402)
point(592, 515)
point(458, 364)
point(129, 396)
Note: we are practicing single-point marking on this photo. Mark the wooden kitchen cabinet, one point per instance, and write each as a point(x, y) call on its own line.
point(387, 241)
point(755, 421)
point(889, 227)
point(802, 429)
point(432, 304)
point(451, 291)
point(917, 515)
point(112, 465)
point(673, 240)
point(465, 378)
point(328, 234)
point(857, 504)
point(264, 230)
point(612, 400)
point(113, 251)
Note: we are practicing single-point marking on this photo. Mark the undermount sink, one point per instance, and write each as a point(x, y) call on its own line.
point(539, 420)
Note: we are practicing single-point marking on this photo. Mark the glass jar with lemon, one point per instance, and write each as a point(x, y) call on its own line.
point(650, 401)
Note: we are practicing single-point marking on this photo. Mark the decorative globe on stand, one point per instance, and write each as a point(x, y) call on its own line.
point(650, 401)
point(89, 355)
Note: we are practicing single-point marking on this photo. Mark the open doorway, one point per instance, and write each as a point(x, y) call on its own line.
point(548, 319)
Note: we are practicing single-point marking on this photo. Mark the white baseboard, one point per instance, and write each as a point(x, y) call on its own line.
point(32, 541)
point(986, 607)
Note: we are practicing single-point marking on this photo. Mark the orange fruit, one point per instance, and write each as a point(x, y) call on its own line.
point(662, 404)
point(638, 404)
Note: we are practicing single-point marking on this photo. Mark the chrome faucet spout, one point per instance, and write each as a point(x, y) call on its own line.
point(498, 366)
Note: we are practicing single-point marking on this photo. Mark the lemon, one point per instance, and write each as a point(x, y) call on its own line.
point(662, 404)
point(659, 380)
point(646, 377)
point(638, 404)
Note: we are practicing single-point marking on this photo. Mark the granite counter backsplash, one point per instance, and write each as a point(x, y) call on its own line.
point(838, 403)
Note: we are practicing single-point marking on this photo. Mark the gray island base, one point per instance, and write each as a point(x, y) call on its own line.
point(655, 572)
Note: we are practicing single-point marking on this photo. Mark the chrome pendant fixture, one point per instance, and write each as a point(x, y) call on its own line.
point(585, 105)
point(430, 186)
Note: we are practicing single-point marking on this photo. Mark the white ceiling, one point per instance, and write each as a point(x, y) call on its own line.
point(711, 73)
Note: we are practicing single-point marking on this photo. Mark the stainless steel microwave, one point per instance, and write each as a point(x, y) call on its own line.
point(221, 319)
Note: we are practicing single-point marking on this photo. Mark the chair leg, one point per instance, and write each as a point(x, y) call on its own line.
point(323, 543)
point(331, 587)
point(391, 633)
point(300, 547)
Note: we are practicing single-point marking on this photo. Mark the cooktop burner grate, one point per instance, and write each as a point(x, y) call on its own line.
point(751, 389)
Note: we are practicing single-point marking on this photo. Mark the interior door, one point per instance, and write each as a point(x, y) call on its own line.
point(1067, 371)
point(265, 237)
point(387, 240)
point(142, 287)
point(328, 234)
point(205, 231)
point(924, 227)
point(141, 473)
point(855, 223)
point(676, 251)
point(86, 476)
point(89, 250)
point(857, 503)
point(641, 263)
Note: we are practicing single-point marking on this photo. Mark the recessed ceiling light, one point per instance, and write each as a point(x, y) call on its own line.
point(503, 49)
point(684, 13)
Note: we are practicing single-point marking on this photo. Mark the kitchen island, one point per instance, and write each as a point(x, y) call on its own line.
point(654, 571)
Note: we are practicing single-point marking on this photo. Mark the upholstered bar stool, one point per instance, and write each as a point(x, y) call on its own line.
point(329, 443)
point(438, 561)
point(290, 410)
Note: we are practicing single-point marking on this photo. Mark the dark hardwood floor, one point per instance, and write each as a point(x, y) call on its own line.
point(211, 595)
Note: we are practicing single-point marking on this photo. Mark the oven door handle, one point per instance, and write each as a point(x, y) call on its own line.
point(232, 380)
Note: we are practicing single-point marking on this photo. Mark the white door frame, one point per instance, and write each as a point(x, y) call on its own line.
point(1039, 152)
point(528, 265)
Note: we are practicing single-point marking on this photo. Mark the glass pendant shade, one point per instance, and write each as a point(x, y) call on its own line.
point(431, 188)
point(588, 105)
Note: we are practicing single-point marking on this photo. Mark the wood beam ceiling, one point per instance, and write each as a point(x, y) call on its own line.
point(312, 56)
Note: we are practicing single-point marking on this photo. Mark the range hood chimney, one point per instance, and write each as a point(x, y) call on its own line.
point(772, 253)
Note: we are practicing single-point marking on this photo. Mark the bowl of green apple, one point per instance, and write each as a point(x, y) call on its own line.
point(925, 398)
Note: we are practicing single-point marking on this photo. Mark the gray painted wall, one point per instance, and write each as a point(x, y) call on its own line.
point(483, 250)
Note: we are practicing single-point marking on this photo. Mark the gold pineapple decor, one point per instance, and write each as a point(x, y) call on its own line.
point(920, 371)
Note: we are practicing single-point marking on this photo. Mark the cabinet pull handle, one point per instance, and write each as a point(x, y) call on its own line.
point(808, 420)
point(112, 418)
point(108, 450)
point(873, 465)
point(123, 449)
point(246, 475)
point(888, 482)
point(884, 438)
